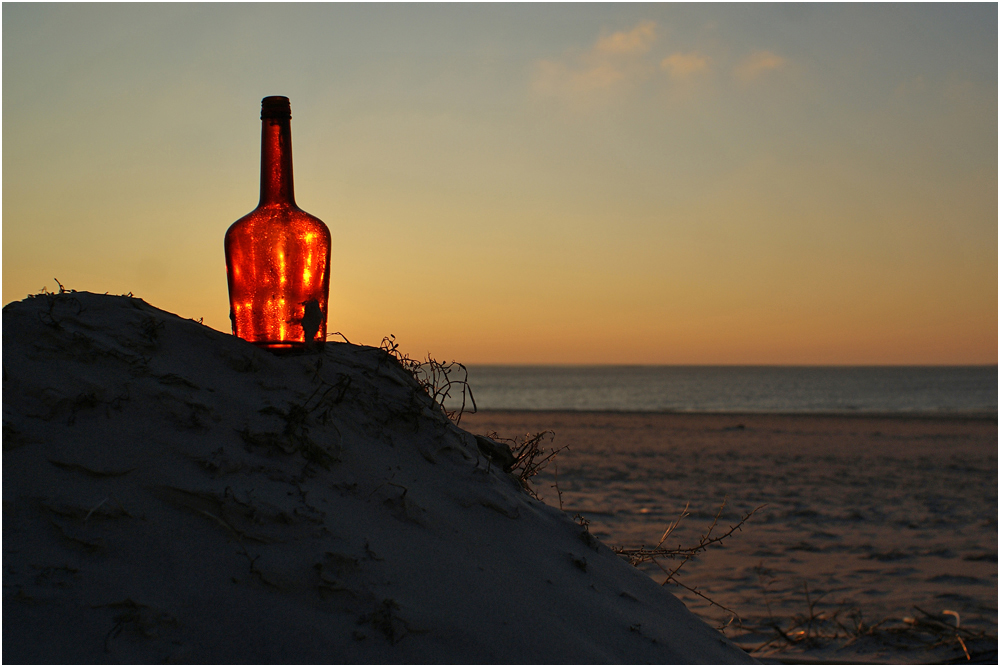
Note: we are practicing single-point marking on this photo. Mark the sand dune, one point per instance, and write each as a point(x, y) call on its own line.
point(173, 494)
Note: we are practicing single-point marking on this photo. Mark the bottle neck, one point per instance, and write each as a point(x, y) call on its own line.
point(276, 162)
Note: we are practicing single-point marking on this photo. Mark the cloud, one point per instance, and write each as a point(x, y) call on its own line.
point(684, 65)
point(757, 63)
point(636, 40)
point(614, 59)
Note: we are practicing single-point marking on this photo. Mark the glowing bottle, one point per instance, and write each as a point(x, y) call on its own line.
point(278, 256)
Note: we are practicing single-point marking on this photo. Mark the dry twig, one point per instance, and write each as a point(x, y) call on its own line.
point(643, 554)
point(435, 378)
point(530, 456)
point(928, 631)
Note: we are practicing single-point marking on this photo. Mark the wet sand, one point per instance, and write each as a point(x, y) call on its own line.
point(864, 516)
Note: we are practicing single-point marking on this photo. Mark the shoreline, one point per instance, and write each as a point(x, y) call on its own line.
point(926, 416)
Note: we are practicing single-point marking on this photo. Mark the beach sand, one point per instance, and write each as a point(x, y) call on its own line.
point(863, 517)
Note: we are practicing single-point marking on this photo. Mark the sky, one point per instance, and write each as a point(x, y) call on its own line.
point(531, 184)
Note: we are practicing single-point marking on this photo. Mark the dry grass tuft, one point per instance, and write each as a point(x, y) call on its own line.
point(437, 378)
point(846, 626)
point(530, 456)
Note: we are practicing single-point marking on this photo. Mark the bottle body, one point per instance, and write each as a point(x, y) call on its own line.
point(279, 277)
point(278, 256)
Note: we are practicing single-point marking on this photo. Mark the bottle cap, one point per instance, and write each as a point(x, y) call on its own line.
point(275, 106)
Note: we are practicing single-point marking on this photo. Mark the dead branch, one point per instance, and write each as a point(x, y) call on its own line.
point(530, 456)
point(644, 554)
point(436, 379)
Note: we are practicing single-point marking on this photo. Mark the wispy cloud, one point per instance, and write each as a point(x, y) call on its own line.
point(758, 63)
point(684, 65)
point(615, 58)
point(637, 40)
point(618, 61)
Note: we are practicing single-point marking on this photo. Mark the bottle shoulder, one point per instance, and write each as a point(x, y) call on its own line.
point(277, 215)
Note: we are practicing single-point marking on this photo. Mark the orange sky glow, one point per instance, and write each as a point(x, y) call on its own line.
point(562, 184)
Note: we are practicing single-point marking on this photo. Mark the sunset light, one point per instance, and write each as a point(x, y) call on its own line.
point(616, 333)
point(598, 183)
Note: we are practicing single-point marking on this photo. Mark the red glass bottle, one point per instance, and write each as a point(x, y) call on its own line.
point(278, 256)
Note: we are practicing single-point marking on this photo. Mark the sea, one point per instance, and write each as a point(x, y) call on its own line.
point(933, 390)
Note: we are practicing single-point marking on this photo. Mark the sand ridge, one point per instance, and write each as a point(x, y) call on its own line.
point(173, 494)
